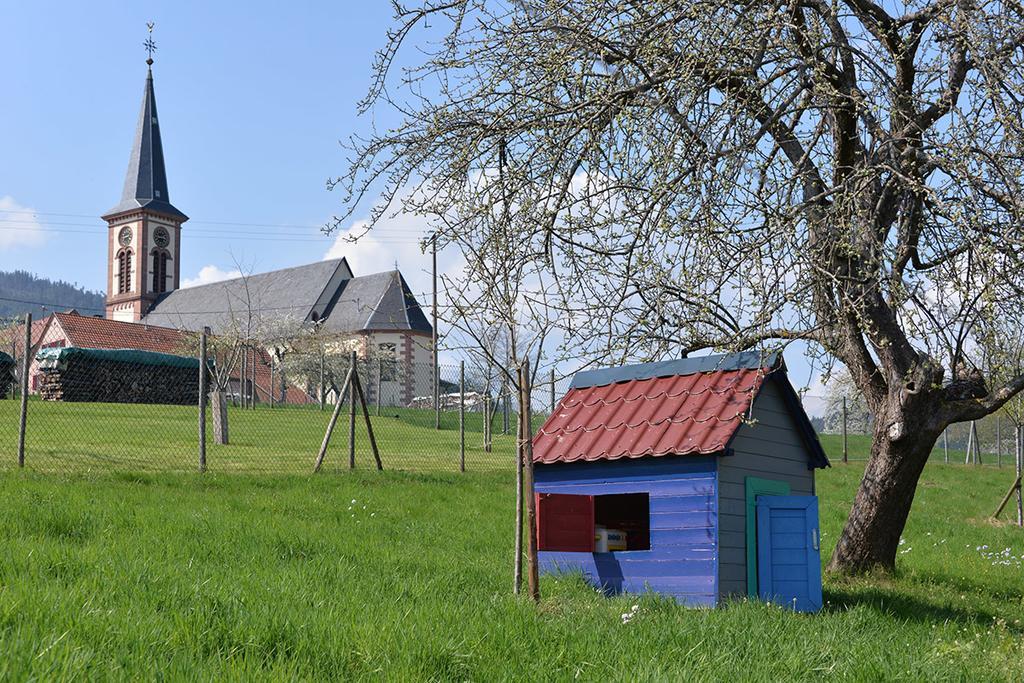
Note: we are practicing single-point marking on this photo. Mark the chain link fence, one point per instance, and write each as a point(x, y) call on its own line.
point(269, 407)
point(266, 410)
point(845, 429)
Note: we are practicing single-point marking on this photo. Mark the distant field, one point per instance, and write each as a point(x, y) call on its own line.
point(406, 576)
point(90, 437)
point(104, 436)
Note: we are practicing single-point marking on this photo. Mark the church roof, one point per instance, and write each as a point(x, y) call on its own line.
point(293, 295)
point(145, 184)
point(378, 302)
point(318, 292)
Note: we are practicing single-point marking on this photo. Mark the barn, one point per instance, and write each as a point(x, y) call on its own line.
point(693, 478)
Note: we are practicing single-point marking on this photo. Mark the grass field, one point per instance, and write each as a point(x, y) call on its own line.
point(405, 576)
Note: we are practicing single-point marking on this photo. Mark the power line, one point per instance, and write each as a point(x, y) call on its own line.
point(191, 221)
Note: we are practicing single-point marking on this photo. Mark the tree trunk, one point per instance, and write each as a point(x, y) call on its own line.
point(219, 404)
point(871, 536)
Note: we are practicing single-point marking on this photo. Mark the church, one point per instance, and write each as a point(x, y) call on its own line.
point(376, 314)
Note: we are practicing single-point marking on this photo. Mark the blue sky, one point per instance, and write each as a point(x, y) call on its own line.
point(253, 102)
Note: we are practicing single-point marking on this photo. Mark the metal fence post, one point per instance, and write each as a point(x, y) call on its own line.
point(24, 389)
point(846, 445)
point(380, 373)
point(253, 393)
point(504, 407)
point(552, 391)
point(487, 422)
point(273, 388)
point(945, 445)
point(999, 444)
point(323, 390)
point(203, 368)
point(352, 415)
point(462, 416)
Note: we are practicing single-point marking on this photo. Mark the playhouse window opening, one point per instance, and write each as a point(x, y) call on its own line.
point(629, 513)
point(604, 523)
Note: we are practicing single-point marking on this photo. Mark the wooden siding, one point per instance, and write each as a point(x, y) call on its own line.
point(683, 558)
point(771, 448)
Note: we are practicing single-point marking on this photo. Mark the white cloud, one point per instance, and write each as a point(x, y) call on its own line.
point(19, 226)
point(394, 243)
point(208, 275)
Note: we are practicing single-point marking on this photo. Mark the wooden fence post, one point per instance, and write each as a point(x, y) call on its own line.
point(517, 567)
point(25, 364)
point(462, 416)
point(366, 416)
point(532, 572)
point(846, 446)
point(1020, 465)
point(330, 424)
point(352, 415)
point(203, 368)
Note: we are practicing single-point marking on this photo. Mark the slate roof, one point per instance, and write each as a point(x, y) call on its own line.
point(300, 294)
point(377, 302)
point(145, 184)
point(323, 291)
point(681, 407)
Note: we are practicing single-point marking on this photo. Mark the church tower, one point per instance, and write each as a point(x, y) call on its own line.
point(144, 229)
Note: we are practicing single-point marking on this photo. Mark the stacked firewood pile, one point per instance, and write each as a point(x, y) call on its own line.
point(86, 377)
point(6, 374)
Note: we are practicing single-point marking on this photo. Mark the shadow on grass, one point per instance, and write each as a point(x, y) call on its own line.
point(899, 604)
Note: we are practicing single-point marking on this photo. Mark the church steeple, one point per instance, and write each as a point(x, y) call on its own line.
point(144, 229)
point(145, 184)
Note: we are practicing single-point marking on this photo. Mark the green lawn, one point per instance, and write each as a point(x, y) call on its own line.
point(98, 437)
point(213, 577)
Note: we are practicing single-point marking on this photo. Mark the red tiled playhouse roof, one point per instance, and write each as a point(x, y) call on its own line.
point(689, 406)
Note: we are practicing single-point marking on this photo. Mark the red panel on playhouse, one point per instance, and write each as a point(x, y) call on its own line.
point(608, 415)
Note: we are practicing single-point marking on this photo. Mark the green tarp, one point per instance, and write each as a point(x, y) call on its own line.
point(132, 356)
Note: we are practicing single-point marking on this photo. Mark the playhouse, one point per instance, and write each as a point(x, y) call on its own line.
point(692, 478)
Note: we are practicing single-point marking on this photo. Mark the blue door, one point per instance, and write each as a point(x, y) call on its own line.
point(789, 551)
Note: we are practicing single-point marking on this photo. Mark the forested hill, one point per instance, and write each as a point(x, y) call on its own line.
point(20, 287)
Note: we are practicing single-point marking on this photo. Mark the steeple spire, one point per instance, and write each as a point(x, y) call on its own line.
point(145, 184)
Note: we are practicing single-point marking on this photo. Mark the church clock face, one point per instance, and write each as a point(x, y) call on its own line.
point(161, 238)
point(125, 236)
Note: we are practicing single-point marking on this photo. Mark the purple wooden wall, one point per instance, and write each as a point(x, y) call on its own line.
point(683, 558)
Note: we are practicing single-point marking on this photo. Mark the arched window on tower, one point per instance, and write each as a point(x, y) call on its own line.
point(160, 259)
point(124, 271)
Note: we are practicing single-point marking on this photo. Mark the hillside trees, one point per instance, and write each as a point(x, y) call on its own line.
point(728, 175)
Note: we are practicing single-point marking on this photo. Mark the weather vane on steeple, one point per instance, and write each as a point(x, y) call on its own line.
point(149, 44)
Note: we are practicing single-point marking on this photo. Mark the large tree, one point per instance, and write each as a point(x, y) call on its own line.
point(726, 175)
